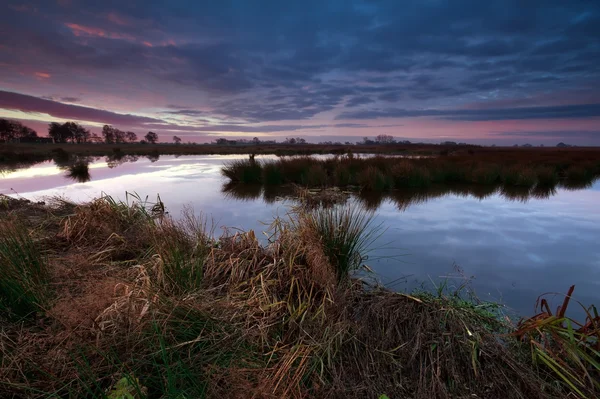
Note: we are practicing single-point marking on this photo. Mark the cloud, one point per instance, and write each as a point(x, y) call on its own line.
point(491, 114)
point(70, 99)
point(25, 103)
point(290, 63)
point(559, 134)
point(187, 112)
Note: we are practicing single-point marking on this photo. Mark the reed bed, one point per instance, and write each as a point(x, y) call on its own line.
point(144, 306)
point(379, 173)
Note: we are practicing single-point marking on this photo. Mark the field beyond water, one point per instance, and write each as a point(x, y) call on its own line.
point(119, 300)
point(544, 169)
point(23, 152)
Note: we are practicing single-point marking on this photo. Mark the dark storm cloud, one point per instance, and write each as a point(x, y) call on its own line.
point(24, 103)
point(284, 60)
point(492, 114)
point(358, 100)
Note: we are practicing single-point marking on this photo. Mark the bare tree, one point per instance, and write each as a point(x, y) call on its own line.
point(176, 140)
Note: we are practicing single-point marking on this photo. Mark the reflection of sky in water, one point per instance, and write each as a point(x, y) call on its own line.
point(515, 250)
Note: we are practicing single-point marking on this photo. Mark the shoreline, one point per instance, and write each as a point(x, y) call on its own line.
point(125, 297)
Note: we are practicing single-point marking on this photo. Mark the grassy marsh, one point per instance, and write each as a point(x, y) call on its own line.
point(379, 173)
point(144, 306)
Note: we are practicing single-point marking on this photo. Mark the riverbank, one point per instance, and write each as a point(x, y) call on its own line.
point(31, 150)
point(108, 298)
point(24, 151)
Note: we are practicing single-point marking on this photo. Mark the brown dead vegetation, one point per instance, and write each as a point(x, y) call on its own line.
point(170, 311)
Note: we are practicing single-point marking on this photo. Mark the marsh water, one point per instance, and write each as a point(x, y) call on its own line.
point(510, 246)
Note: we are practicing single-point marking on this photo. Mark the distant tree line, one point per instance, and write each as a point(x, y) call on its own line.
point(73, 132)
point(382, 139)
point(10, 130)
point(68, 132)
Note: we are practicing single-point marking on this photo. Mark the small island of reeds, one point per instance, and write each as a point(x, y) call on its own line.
point(111, 299)
point(517, 168)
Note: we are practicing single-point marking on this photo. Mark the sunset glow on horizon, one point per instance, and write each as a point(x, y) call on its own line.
point(478, 72)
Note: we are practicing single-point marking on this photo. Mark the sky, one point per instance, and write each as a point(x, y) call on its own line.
point(483, 72)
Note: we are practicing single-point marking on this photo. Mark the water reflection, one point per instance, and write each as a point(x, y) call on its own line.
point(76, 166)
point(79, 172)
point(517, 242)
point(401, 198)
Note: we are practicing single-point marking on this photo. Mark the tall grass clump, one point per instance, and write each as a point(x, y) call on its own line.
point(345, 234)
point(342, 175)
point(547, 176)
point(24, 274)
point(485, 174)
point(272, 174)
point(181, 250)
point(316, 176)
point(372, 179)
point(119, 230)
point(243, 171)
point(568, 348)
point(407, 174)
point(519, 175)
point(577, 173)
point(295, 169)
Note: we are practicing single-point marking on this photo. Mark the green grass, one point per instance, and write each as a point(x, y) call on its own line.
point(345, 234)
point(24, 275)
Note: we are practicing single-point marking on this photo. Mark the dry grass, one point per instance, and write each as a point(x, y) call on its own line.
point(186, 315)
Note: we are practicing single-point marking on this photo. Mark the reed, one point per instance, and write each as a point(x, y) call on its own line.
point(24, 274)
point(243, 171)
point(345, 234)
point(379, 173)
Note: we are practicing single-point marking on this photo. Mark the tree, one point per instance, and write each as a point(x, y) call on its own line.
point(76, 133)
point(256, 141)
point(151, 137)
point(131, 137)
point(61, 133)
point(108, 132)
point(176, 140)
point(10, 130)
point(385, 139)
point(119, 136)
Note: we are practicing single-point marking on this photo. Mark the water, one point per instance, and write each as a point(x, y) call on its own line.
point(510, 246)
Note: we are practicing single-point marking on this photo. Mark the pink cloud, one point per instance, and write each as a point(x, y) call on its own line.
point(43, 75)
point(82, 30)
point(25, 103)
